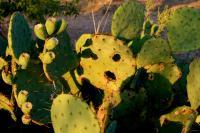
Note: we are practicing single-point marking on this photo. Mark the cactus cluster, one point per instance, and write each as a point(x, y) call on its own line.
point(110, 83)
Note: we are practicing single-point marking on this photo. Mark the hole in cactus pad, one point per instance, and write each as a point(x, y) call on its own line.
point(116, 57)
point(110, 76)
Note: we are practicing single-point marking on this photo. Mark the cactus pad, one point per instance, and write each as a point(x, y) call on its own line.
point(104, 56)
point(3, 45)
point(155, 50)
point(19, 35)
point(193, 86)
point(71, 115)
point(65, 58)
point(128, 20)
point(184, 30)
point(40, 91)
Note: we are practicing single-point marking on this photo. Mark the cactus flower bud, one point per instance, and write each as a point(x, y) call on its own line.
point(51, 43)
point(51, 25)
point(22, 97)
point(26, 119)
point(23, 60)
point(40, 31)
point(26, 107)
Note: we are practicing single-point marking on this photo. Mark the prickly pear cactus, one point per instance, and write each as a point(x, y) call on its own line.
point(183, 29)
point(193, 86)
point(169, 71)
point(65, 58)
point(183, 114)
point(70, 114)
point(154, 51)
point(19, 35)
point(101, 60)
point(40, 91)
point(127, 20)
point(159, 91)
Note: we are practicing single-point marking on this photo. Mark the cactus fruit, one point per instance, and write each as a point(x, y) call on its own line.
point(183, 29)
point(62, 26)
point(48, 57)
point(2, 63)
point(7, 77)
point(24, 60)
point(26, 119)
point(183, 114)
point(40, 91)
point(22, 97)
point(51, 25)
point(74, 116)
point(51, 43)
point(19, 35)
point(193, 86)
point(40, 31)
point(63, 52)
point(154, 51)
point(127, 20)
point(101, 68)
point(26, 108)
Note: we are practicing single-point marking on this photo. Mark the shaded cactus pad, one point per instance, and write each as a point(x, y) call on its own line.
point(71, 115)
point(128, 20)
point(109, 62)
point(19, 35)
point(40, 91)
point(184, 30)
point(193, 84)
point(155, 50)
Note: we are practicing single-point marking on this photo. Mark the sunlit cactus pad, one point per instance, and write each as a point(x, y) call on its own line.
point(71, 115)
point(193, 84)
point(184, 30)
point(127, 20)
point(107, 62)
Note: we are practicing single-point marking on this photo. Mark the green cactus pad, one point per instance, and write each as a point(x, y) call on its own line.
point(169, 71)
point(154, 51)
point(182, 114)
point(62, 26)
point(184, 30)
point(71, 115)
point(65, 58)
point(108, 64)
point(128, 20)
point(19, 35)
point(159, 91)
point(193, 86)
point(40, 91)
point(3, 45)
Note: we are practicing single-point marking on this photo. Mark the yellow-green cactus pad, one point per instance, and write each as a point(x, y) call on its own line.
point(154, 51)
point(71, 115)
point(128, 20)
point(184, 30)
point(109, 62)
point(193, 84)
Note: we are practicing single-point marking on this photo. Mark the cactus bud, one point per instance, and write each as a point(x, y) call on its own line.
point(7, 77)
point(51, 25)
point(22, 97)
point(26, 107)
point(26, 119)
point(40, 31)
point(62, 27)
point(51, 43)
point(23, 60)
point(48, 57)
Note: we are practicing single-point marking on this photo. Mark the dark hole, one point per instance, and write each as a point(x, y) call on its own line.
point(110, 76)
point(88, 43)
point(116, 57)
